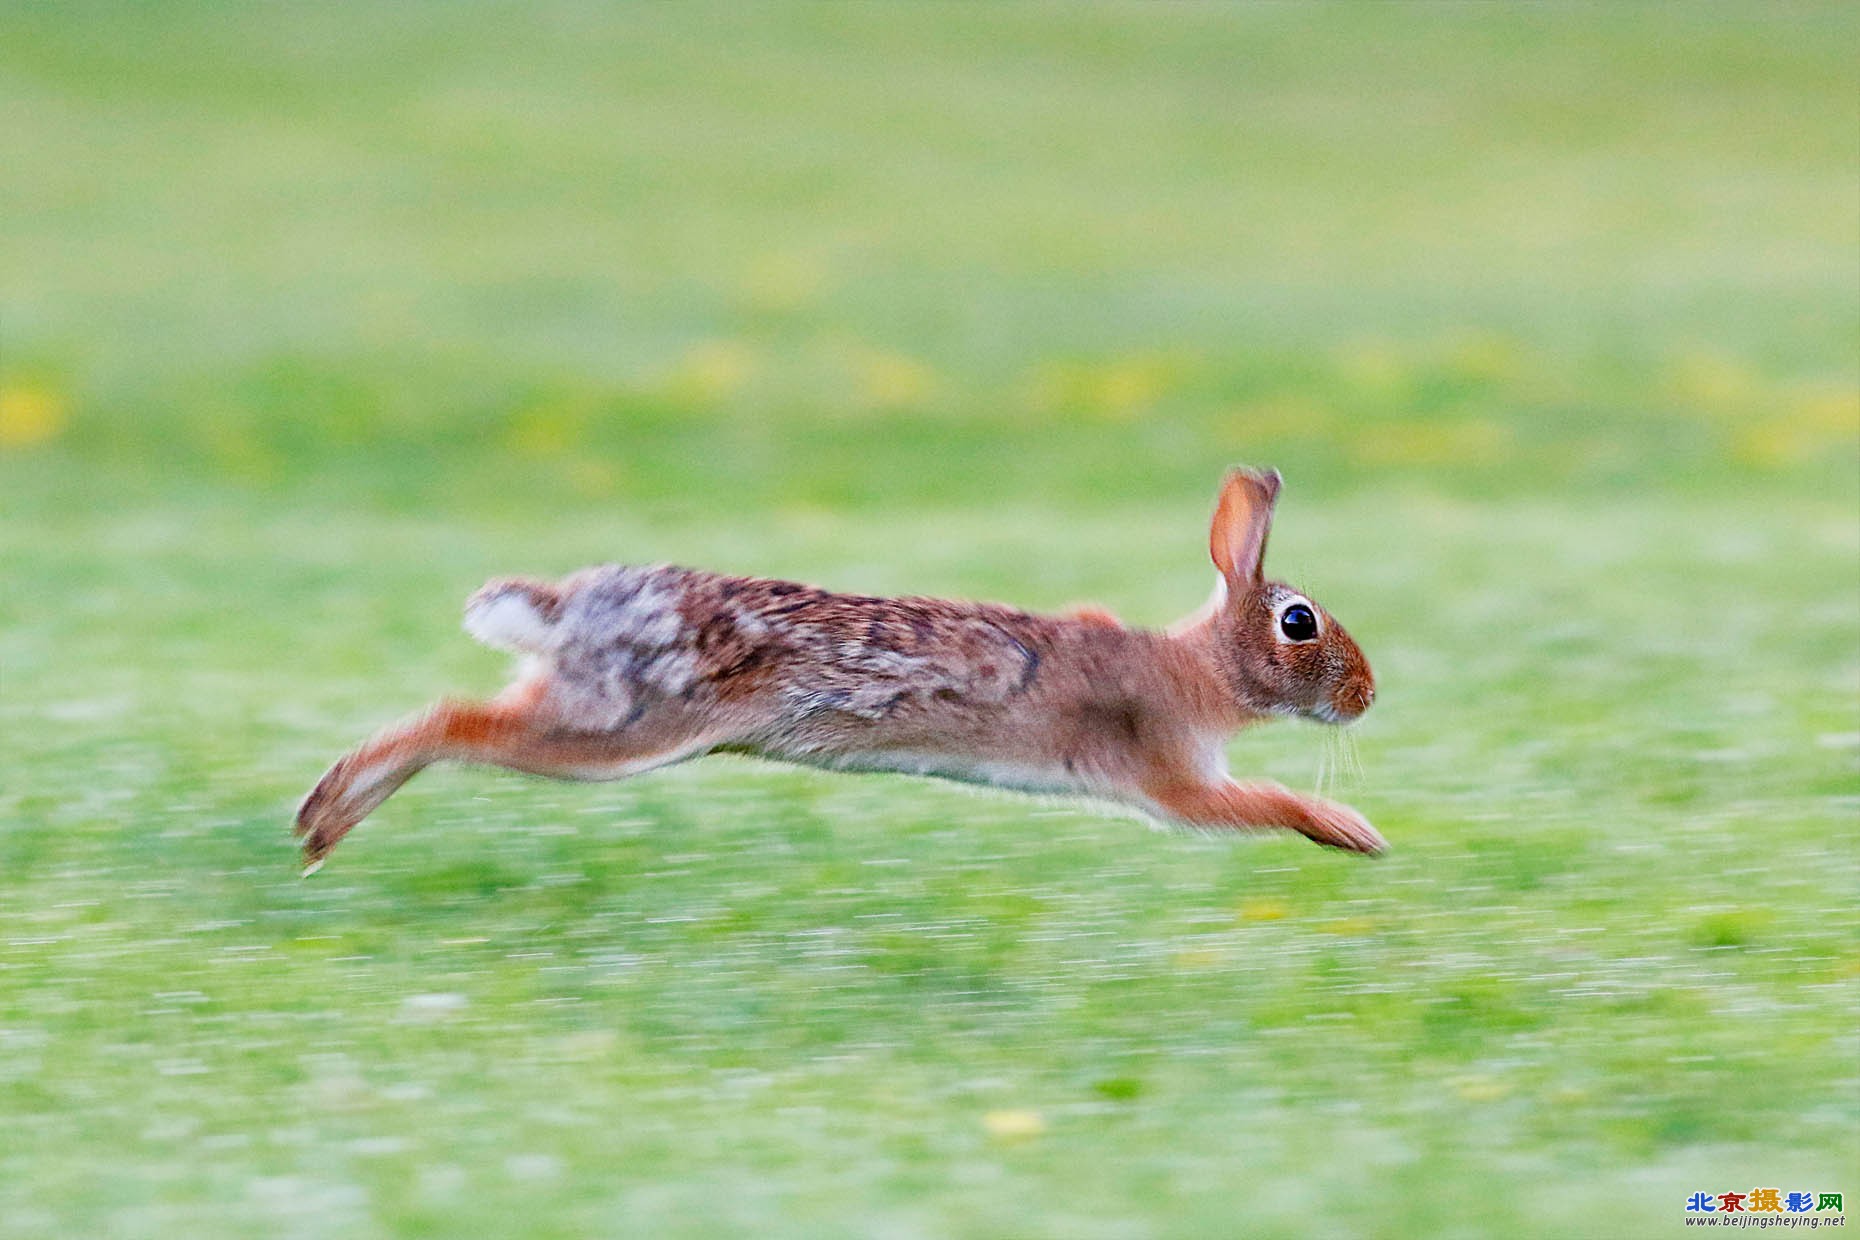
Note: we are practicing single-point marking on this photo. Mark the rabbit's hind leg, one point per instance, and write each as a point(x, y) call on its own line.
point(508, 732)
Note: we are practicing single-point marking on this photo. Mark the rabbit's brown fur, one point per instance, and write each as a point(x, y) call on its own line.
point(631, 668)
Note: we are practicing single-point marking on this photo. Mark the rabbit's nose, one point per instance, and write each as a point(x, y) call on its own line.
point(1352, 700)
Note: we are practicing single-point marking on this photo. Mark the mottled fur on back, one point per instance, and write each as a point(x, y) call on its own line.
point(630, 634)
point(630, 667)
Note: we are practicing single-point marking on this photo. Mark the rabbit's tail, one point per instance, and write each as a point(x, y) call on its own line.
point(516, 615)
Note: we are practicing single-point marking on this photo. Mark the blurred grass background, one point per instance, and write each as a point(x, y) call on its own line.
point(313, 317)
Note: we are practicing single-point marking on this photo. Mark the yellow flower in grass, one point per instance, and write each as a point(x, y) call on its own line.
point(1711, 383)
point(1812, 422)
point(30, 414)
point(546, 430)
point(1128, 385)
point(887, 380)
point(1115, 388)
point(711, 371)
point(1014, 1125)
point(1485, 356)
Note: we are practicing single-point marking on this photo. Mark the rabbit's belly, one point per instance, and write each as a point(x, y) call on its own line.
point(1015, 776)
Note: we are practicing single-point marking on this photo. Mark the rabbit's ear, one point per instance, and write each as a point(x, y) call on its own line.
point(1241, 522)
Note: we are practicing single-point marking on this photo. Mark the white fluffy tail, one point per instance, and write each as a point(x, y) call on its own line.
point(518, 616)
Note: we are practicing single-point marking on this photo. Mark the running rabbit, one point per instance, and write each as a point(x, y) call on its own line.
point(630, 668)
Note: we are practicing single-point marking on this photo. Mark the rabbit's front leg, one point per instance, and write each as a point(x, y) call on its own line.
point(1229, 803)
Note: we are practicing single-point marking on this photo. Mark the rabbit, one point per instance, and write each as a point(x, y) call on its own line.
point(631, 668)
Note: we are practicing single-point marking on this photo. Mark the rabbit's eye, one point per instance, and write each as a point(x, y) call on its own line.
point(1298, 624)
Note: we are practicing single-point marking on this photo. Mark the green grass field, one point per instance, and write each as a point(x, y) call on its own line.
point(314, 317)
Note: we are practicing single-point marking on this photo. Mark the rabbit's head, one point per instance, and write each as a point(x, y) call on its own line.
point(1279, 652)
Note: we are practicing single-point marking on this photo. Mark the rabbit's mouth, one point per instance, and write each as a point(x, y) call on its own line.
point(1347, 704)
